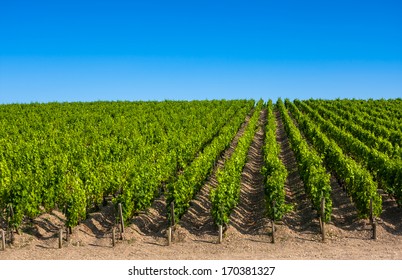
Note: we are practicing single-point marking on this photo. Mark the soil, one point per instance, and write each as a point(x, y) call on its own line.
point(248, 236)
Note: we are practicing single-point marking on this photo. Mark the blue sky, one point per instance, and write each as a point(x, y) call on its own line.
point(156, 50)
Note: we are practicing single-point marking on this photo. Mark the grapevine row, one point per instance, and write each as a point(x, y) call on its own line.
point(143, 186)
point(381, 118)
point(388, 171)
point(226, 195)
point(381, 106)
point(366, 137)
point(183, 190)
point(357, 180)
point(70, 156)
point(362, 119)
point(315, 178)
point(274, 171)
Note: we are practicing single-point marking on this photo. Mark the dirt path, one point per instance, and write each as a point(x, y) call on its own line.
point(302, 222)
point(391, 218)
point(345, 222)
point(249, 218)
point(197, 223)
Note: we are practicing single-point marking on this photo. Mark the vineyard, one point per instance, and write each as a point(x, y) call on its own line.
point(239, 175)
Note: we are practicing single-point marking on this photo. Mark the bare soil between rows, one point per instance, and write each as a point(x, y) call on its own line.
point(248, 236)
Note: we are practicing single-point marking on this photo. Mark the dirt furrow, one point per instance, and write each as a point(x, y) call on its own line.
point(302, 221)
point(197, 221)
point(249, 217)
point(344, 219)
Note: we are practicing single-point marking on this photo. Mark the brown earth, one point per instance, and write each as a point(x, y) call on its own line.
point(247, 237)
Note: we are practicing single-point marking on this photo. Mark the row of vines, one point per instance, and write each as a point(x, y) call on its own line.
point(71, 156)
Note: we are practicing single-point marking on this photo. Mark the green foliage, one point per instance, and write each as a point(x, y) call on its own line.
point(386, 170)
point(365, 136)
point(182, 190)
point(226, 195)
point(354, 113)
point(274, 171)
point(358, 181)
point(68, 156)
point(315, 178)
point(75, 199)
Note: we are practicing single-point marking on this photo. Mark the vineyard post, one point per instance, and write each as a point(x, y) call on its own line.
point(371, 211)
point(60, 238)
point(172, 217)
point(375, 231)
point(114, 236)
point(12, 238)
point(169, 236)
point(220, 234)
point(121, 220)
point(67, 234)
point(273, 222)
point(3, 240)
point(10, 217)
point(11, 211)
point(16, 228)
point(323, 219)
point(373, 223)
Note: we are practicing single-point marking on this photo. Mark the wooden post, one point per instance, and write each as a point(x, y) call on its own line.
point(375, 231)
point(169, 235)
point(172, 217)
point(320, 221)
point(12, 238)
point(11, 211)
point(220, 234)
point(12, 216)
point(371, 211)
point(273, 222)
point(60, 238)
point(3, 240)
point(68, 234)
point(121, 220)
point(114, 236)
point(323, 219)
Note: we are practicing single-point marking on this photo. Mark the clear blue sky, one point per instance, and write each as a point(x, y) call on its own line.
point(155, 50)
